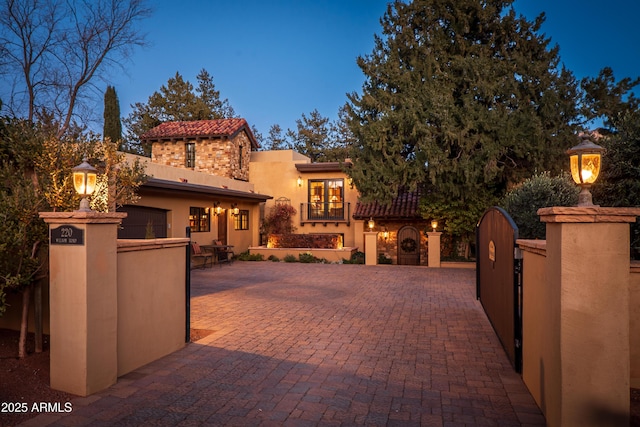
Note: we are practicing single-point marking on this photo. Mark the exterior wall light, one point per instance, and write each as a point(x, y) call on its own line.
point(434, 225)
point(385, 234)
point(84, 182)
point(585, 160)
point(234, 209)
point(217, 209)
point(299, 181)
point(371, 224)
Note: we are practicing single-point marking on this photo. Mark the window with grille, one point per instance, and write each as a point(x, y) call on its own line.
point(199, 219)
point(190, 154)
point(326, 199)
point(241, 221)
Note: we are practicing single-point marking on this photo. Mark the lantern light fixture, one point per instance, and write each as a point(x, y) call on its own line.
point(371, 223)
point(217, 209)
point(234, 209)
point(84, 182)
point(585, 160)
point(299, 181)
point(434, 225)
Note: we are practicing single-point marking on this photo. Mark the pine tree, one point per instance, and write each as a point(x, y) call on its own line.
point(276, 140)
point(178, 100)
point(112, 125)
point(315, 138)
point(462, 98)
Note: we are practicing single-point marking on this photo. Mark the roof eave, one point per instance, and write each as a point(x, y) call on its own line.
point(198, 189)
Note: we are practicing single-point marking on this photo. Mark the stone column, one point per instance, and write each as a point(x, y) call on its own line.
point(434, 248)
point(588, 261)
point(83, 300)
point(371, 247)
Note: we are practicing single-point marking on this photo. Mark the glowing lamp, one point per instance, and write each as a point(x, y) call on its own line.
point(217, 209)
point(84, 182)
point(235, 210)
point(299, 181)
point(434, 225)
point(585, 160)
point(371, 224)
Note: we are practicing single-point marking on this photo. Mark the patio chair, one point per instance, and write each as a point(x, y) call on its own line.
point(224, 254)
point(198, 254)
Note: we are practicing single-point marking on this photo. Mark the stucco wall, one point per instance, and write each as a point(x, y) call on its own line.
point(634, 323)
point(540, 329)
point(542, 344)
point(275, 173)
point(151, 300)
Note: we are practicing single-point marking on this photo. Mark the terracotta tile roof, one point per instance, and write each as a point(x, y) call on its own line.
point(199, 129)
point(406, 205)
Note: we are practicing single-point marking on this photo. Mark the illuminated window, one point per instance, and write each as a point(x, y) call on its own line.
point(190, 155)
point(241, 221)
point(326, 199)
point(199, 219)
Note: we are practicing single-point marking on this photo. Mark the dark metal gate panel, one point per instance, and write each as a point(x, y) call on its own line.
point(498, 279)
point(408, 246)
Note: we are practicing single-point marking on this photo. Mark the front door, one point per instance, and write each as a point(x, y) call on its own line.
point(408, 246)
point(222, 228)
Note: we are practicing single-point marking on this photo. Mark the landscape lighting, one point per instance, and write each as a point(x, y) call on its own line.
point(84, 182)
point(585, 160)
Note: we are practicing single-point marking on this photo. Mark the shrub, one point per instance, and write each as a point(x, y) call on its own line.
point(273, 258)
point(290, 258)
point(307, 258)
point(246, 256)
point(539, 191)
point(356, 258)
point(382, 259)
point(279, 220)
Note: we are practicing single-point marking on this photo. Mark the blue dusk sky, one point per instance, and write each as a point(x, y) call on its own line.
point(275, 60)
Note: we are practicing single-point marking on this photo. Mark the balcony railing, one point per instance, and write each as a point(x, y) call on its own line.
point(312, 213)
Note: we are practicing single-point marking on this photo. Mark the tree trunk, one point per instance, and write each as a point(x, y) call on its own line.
point(37, 312)
point(22, 343)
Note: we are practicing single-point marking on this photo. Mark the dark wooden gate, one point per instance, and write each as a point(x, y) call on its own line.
point(499, 279)
point(408, 246)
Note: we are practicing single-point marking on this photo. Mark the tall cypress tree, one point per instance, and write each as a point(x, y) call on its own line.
point(463, 98)
point(112, 125)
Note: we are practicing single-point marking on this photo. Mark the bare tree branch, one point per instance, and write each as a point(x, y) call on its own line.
point(59, 47)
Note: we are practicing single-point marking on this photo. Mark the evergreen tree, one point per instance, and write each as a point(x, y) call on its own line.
point(276, 140)
point(619, 109)
point(176, 101)
point(311, 136)
point(463, 98)
point(315, 137)
point(112, 125)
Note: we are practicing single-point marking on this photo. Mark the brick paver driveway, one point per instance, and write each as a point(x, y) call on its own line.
point(327, 345)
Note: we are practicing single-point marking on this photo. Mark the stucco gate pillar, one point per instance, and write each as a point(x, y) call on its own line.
point(83, 300)
point(370, 247)
point(434, 248)
point(588, 261)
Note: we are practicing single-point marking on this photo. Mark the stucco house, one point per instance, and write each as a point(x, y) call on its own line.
point(209, 175)
point(199, 174)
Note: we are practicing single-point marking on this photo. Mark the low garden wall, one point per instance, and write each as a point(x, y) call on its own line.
point(151, 300)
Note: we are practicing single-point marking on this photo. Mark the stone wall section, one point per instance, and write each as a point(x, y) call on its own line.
point(225, 157)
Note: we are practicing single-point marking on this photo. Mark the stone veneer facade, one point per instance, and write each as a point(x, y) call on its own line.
point(225, 157)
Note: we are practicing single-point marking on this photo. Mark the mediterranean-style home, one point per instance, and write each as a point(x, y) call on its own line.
point(208, 175)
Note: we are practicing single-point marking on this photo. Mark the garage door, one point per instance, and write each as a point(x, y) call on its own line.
point(143, 223)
